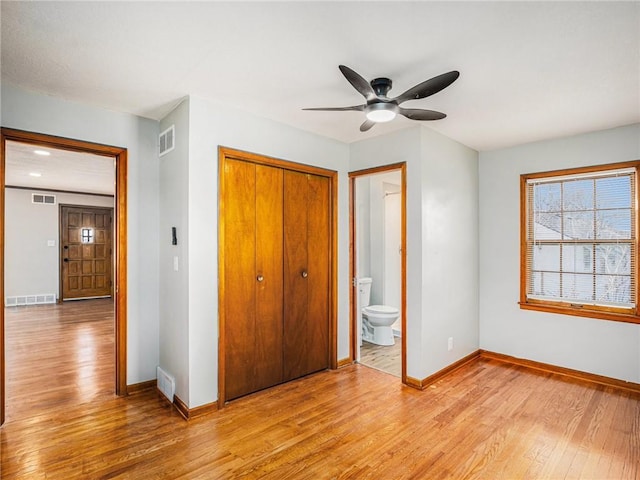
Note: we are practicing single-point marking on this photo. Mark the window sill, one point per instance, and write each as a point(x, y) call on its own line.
point(582, 312)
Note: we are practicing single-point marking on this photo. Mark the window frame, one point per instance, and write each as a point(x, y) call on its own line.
point(630, 315)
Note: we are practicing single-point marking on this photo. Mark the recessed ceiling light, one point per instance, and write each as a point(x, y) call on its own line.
point(35, 174)
point(42, 152)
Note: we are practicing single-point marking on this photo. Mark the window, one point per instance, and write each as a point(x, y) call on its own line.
point(579, 242)
point(87, 235)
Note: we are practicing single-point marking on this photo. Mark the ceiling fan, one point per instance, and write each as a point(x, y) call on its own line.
point(380, 108)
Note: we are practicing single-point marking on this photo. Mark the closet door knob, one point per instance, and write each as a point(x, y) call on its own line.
point(304, 274)
point(260, 278)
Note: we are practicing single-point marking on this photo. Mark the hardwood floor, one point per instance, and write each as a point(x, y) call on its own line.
point(385, 358)
point(58, 356)
point(486, 420)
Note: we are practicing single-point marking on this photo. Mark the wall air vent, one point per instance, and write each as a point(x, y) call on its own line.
point(166, 384)
point(44, 199)
point(21, 300)
point(167, 140)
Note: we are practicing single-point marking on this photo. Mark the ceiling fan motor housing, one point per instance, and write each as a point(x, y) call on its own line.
point(381, 86)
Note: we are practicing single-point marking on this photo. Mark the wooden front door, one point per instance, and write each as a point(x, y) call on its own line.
point(85, 253)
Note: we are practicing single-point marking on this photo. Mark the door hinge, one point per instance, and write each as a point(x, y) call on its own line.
point(354, 282)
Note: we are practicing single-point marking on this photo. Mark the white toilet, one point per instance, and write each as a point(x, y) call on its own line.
point(376, 319)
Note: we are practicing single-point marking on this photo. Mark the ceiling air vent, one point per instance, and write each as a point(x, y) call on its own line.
point(44, 199)
point(167, 140)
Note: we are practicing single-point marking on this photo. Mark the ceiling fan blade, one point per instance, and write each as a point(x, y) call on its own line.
point(419, 114)
point(359, 83)
point(359, 108)
point(428, 87)
point(366, 125)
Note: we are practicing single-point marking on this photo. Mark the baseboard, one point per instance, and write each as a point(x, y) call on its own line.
point(141, 387)
point(431, 379)
point(181, 407)
point(344, 362)
point(191, 413)
point(567, 372)
point(414, 383)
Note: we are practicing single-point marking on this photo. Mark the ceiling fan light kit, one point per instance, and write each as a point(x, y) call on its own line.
point(380, 108)
point(381, 112)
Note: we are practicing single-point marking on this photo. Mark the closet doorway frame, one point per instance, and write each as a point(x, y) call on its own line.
point(353, 291)
point(225, 153)
point(120, 241)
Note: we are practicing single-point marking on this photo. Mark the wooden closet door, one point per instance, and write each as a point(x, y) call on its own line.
point(268, 369)
point(319, 248)
point(306, 274)
point(252, 196)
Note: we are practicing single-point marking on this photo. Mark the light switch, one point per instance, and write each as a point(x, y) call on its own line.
point(175, 263)
point(51, 243)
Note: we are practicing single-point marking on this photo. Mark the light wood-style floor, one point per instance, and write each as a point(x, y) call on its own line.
point(58, 356)
point(385, 358)
point(486, 420)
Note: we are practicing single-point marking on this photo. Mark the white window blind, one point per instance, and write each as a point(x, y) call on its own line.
point(581, 239)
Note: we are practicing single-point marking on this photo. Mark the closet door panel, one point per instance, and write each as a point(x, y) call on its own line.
point(295, 280)
point(268, 279)
point(239, 283)
point(319, 248)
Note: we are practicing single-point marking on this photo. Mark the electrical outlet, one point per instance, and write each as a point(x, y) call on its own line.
point(450, 344)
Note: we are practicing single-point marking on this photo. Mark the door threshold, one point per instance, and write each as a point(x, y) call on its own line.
point(84, 298)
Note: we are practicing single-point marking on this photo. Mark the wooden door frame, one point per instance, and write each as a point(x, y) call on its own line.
point(225, 153)
point(60, 252)
point(120, 246)
point(353, 324)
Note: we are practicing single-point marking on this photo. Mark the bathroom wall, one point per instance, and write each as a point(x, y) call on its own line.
point(371, 229)
point(363, 226)
point(379, 184)
point(392, 289)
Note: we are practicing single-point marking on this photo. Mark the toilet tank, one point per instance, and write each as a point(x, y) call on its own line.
point(364, 287)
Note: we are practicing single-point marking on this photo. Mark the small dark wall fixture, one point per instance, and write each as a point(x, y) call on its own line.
point(174, 238)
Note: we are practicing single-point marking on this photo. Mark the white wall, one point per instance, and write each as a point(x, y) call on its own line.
point(363, 226)
point(396, 147)
point(32, 267)
point(174, 285)
point(370, 230)
point(597, 346)
point(211, 125)
point(442, 253)
point(40, 113)
point(450, 274)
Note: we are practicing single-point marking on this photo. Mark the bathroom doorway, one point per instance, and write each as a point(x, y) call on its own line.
point(378, 268)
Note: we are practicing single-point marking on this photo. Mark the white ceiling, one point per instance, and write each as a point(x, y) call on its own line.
point(529, 70)
point(60, 170)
